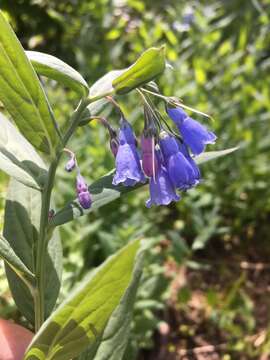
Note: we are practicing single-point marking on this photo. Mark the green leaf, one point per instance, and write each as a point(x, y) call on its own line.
point(21, 93)
point(18, 158)
point(22, 217)
point(149, 65)
point(9, 256)
point(104, 192)
point(116, 334)
point(212, 155)
point(104, 85)
point(54, 68)
point(82, 319)
point(100, 87)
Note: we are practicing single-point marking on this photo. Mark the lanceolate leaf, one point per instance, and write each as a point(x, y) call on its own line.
point(21, 226)
point(81, 320)
point(9, 256)
point(116, 334)
point(104, 192)
point(18, 158)
point(149, 65)
point(56, 69)
point(21, 93)
point(211, 155)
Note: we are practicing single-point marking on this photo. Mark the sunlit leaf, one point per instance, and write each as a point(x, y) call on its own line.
point(149, 65)
point(21, 93)
point(56, 69)
point(18, 158)
point(89, 312)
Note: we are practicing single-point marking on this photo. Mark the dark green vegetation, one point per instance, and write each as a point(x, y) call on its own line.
point(207, 273)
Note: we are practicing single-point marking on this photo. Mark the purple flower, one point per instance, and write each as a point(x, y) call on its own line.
point(194, 134)
point(81, 185)
point(83, 193)
point(85, 199)
point(70, 165)
point(149, 162)
point(180, 169)
point(184, 149)
point(162, 191)
point(128, 166)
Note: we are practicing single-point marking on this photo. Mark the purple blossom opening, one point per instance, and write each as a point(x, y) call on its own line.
point(180, 170)
point(194, 134)
point(149, 162)
point(85, 199)
point(162, 191)
point(128, 166)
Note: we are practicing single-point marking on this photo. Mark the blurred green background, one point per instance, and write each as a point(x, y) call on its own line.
point(207, 276)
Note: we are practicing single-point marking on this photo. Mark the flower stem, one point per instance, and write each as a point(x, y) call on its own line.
point(39, 296)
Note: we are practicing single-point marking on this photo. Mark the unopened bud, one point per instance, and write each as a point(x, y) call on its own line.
point(70, 165)
point(81, 185)
point(85, 199)
point(149, 162)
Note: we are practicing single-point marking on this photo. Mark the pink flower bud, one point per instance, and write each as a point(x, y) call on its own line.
point(114, 145)
point(149, 162)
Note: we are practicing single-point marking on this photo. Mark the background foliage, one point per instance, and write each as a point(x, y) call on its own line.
point(207, 275)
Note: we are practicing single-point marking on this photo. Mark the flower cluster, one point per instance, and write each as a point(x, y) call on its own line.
point(165, 158)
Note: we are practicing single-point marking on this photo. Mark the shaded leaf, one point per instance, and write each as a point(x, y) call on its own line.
point(104, 192)
point(54, 68)
point(18, 158)
point(21, 92)
point(9, 256)
point(82, 319)
point(22, 217)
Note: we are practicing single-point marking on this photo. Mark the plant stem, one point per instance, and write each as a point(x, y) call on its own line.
point(39, 300)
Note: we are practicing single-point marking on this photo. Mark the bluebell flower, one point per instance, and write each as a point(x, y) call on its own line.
point(194, 134)
point(181, 171)
point(197, 174)
point(83, 194)
point(128, 166)
point(162, 191)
